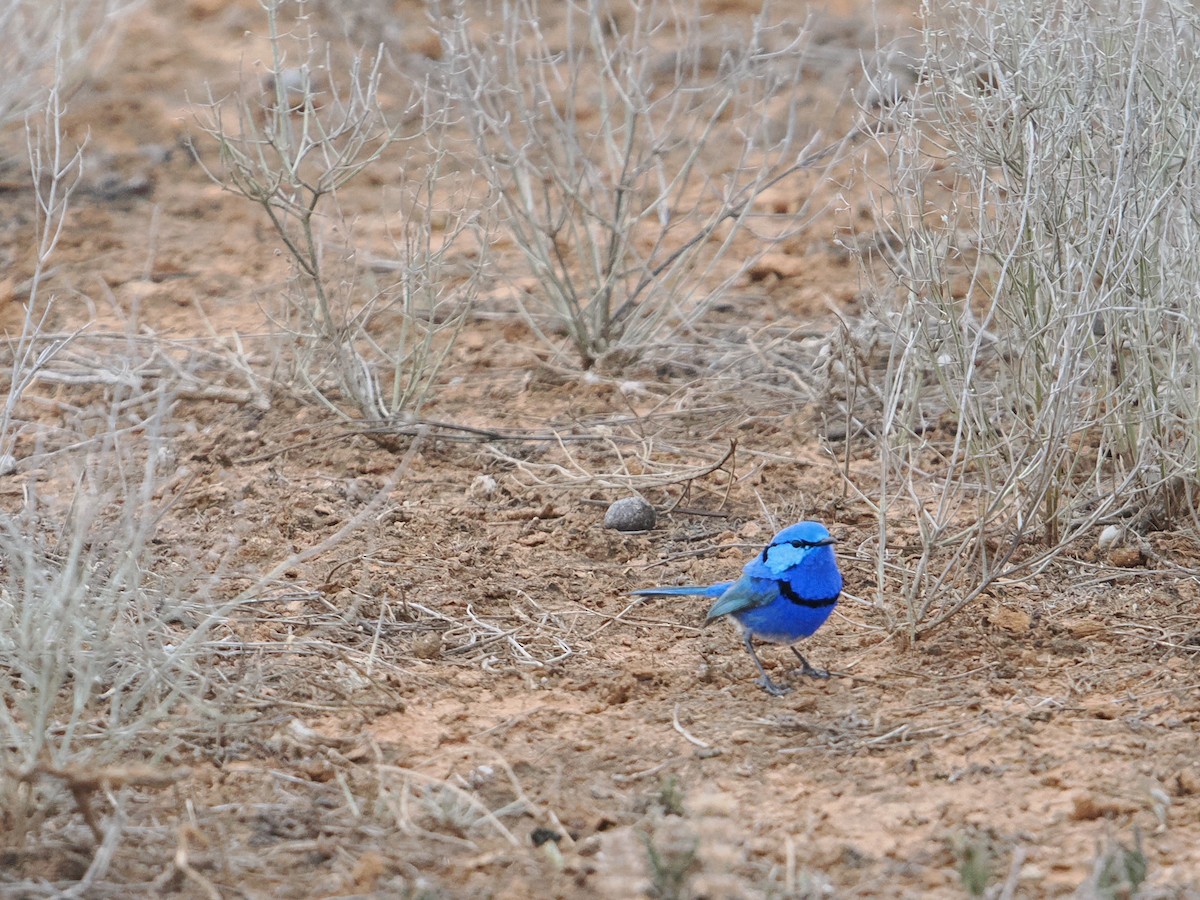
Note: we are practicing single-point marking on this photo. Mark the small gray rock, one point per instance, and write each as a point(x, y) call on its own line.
point(630, 514)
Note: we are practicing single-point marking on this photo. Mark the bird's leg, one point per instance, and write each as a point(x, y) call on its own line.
point(807, 669)
point(764, 682)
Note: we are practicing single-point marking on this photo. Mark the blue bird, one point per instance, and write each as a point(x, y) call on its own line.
point(785, 593)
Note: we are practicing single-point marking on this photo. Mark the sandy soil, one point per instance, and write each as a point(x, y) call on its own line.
point(507, 665)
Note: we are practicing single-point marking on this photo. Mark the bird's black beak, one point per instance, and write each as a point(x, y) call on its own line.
point(825, 542)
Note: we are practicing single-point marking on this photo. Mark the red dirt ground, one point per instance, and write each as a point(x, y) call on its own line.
point(473, 646)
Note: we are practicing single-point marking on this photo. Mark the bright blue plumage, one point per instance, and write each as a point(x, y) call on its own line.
point(785, 593)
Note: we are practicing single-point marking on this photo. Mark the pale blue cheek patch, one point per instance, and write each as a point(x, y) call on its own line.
point(781, 557)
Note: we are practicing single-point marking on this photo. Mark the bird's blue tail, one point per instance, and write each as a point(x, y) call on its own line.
point(712, 590)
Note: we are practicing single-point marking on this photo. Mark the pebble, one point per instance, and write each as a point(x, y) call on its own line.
point(1126, 557)
point(1110, 537)
point(427, 645)
point(630, 514)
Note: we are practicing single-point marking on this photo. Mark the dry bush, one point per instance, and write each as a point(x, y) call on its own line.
point(66, 38)
point(110, 662)
point(1041, 353)
point(102, 642)
point(365, 336)
point(628, 160)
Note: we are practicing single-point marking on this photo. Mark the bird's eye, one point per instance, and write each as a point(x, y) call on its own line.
point(801, 544)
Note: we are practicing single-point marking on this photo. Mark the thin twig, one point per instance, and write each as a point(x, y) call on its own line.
point(687, 736)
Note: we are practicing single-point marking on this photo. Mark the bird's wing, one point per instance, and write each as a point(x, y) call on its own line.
point(712, 590)
point(745, 593)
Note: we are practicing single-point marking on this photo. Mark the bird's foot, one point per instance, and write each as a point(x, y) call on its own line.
point(806, 668)
point(771, 687)
point(814, 673)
